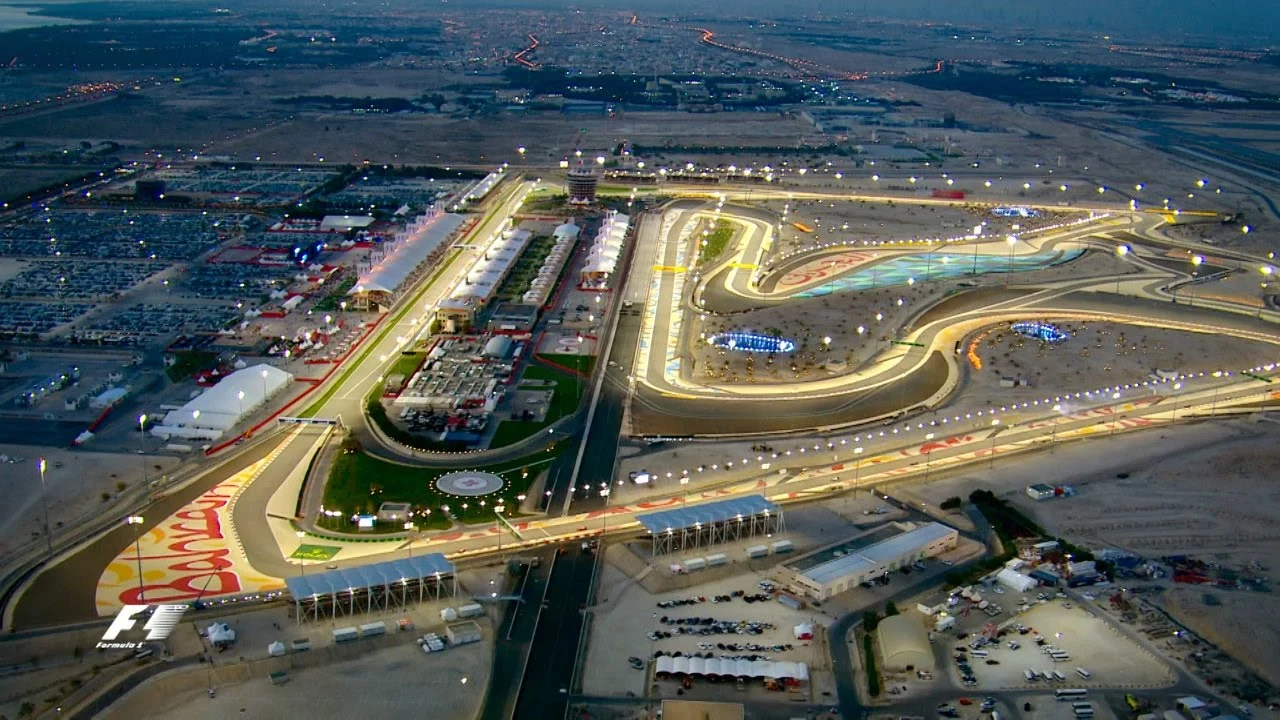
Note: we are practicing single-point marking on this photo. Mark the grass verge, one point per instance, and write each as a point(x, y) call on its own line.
point(359, 483)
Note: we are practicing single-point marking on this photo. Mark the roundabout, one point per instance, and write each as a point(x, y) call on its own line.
point(469, 483)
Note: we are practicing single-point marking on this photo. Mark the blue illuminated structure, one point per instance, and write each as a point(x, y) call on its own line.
point(1015, 212)
point(1039, 331)
point(751, 342)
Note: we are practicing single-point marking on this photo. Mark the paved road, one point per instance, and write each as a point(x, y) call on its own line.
point(544, 692)
point(515, 638)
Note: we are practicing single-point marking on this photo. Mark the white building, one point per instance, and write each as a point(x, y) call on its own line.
point(820, 575)
point(215, 411)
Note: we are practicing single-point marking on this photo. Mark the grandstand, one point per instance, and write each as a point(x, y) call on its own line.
point(371, 588)
point(713, 523)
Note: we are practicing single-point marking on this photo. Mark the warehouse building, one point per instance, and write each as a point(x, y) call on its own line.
point(829, 571)
point(214, 412)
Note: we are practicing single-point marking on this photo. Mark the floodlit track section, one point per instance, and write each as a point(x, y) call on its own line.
point(918, 368)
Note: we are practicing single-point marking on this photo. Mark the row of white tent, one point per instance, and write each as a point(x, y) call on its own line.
point(540, 287)
point(718, 667)
point(607, 246)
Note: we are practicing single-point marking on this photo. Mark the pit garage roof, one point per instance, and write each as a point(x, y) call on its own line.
point(409, 253)
point(366, 577)
point(706, 513)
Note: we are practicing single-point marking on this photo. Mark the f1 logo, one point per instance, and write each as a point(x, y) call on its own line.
point(161, 623)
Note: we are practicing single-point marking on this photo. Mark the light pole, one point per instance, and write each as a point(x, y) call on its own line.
point(1196, 262)
point(928, 455)
point(995, 424)
point(1267, 273)
point(302, 562)
point(1121, 252)
point(497, 512)
point(857, 466)
point(1174, 418)
point(44, 500)
point(142, 445)
point(240, 397)
point(409, 526)
point(1053, 434)
point(135, 521)
point(264, 386)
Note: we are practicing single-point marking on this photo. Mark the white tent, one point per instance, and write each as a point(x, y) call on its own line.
point(803, 631)
point(218, 409)
point(718, 667)
point(1015, 580)
point(275, 649)
point(220, 634)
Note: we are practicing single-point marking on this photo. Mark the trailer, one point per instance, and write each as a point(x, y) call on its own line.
point(346, 634)
point(693, 564)
point(373, 629)
point(757, 551)
point(782, 546)
point(716, 560)
point(471, 610)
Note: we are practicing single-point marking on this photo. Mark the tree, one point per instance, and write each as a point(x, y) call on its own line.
point(951, 503)
point(890, 609)
point(870, 620)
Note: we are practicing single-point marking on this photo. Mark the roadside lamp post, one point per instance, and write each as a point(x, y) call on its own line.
point(44, 500)
point(1196, 262)
point(302, 562)
point(1267, 273)
point(240, 398)
point(1053, 434)
point(264, 386)
point(135, 521)
point(1213, 406)
point(142, 444)
point(857, 466)
point(1174, 417)
point(928, 455)
point(497, 521)
point(1121, 252)
point(410, 527)
point(994, 425)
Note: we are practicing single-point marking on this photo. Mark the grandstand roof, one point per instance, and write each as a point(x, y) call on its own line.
point(409, 253)
point(365, 577)
point(706, 513)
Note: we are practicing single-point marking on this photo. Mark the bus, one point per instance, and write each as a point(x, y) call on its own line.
point(1070, 693)
point(1083, 712)
point(1029, 675)
point(1085, 704)
point(1084, 673)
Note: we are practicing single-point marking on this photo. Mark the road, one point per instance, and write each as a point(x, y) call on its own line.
point(514, 638)
point(544, 692)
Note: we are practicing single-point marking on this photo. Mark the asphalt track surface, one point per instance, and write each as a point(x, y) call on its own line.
point(64, 593)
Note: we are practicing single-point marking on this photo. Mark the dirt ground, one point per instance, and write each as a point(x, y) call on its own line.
point(1102, 354)
point(76, 481)
point(1218, 504)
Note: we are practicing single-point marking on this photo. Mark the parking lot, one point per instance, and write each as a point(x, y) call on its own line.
point(1111, 659)
point(628, 623)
